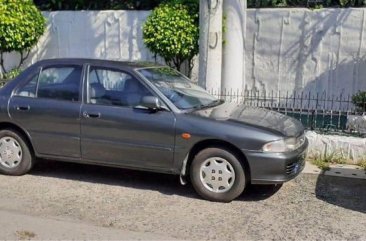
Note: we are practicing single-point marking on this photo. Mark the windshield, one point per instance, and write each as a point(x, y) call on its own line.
point(178, 88)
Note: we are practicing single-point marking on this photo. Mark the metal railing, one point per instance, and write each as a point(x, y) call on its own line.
point(317, 111)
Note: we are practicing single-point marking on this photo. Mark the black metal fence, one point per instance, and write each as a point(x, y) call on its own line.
point(317, 111)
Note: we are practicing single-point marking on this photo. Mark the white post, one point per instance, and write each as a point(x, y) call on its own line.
point(210, 55)
point(233, 72)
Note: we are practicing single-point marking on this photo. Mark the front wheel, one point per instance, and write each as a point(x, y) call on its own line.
point(217, 175)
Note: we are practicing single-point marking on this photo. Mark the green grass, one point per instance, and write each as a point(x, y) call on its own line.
point(321, 164)
point(323, 161)
point(363, 164)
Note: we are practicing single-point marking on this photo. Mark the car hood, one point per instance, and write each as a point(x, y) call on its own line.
point(258, 117)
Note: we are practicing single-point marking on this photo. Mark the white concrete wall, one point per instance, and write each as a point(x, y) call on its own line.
point(285, 49)
point(350, 149)
point(300, 49)
point(91, 34)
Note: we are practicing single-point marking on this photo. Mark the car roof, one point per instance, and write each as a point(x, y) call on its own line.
point(128, 64)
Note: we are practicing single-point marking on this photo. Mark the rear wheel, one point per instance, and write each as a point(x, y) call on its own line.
point(217, 175)
point(15, 156)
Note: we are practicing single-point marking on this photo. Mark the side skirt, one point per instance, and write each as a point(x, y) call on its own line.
point(90, 162)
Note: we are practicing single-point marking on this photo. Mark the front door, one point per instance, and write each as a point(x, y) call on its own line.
point(48, 108)
point(116, 133)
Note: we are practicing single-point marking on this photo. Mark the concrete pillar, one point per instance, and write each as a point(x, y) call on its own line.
point(210, 54)
point(233, 72)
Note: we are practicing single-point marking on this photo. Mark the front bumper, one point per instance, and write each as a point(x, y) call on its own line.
point(275, 168)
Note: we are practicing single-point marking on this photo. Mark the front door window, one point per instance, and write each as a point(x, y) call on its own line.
point(114, 87)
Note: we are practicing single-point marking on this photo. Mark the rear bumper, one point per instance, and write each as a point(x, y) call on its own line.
point(276, 168)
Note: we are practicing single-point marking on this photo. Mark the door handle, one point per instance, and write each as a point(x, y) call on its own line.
point(91, 115)
point(23, 108)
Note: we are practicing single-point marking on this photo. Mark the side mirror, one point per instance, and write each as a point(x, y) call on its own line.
point(151, 102)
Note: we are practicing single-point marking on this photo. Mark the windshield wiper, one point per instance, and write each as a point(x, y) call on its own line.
point(211, 104)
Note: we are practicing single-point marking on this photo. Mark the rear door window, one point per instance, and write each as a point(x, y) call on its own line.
point(60, 83)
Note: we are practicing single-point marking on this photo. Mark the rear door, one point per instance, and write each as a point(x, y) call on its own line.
point(47, 106)
point(114, 132)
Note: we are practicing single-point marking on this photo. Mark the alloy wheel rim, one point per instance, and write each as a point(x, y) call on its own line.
point(10, 152)
point(217, 175)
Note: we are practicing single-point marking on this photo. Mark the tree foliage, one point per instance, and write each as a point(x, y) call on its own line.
point(359, 100)
point(171, 32)
point(55, 5)
point(21, 26)
point(192, 6)
point(305, 3)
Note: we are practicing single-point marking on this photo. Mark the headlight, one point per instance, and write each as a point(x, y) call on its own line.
point(284, 145)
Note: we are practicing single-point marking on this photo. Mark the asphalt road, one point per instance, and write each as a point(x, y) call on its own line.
point(152, 205)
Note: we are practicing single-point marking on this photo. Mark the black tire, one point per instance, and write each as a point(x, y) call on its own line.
point(27, 159)
point(238, 185)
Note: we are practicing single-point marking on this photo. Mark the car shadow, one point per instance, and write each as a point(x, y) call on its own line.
point(163, 183)
point(259, 192)
point(349, 193)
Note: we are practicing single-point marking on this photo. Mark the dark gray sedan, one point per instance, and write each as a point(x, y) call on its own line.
point(146, 117)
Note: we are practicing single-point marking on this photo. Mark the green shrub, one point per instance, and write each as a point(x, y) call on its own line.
point(359, 100)
point(172, 33)
point(21, 26)
point(11, 74)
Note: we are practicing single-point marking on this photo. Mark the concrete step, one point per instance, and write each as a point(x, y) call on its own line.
point(338, 170)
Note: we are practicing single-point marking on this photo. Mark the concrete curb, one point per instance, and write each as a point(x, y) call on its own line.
point(338, 170)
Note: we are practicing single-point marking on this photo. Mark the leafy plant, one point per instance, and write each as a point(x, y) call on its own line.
point(21, 25)
point(172, 32)
point(359, 100)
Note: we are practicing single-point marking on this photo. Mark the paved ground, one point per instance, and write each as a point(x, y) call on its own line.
point(140, 204)
point(15, 226)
